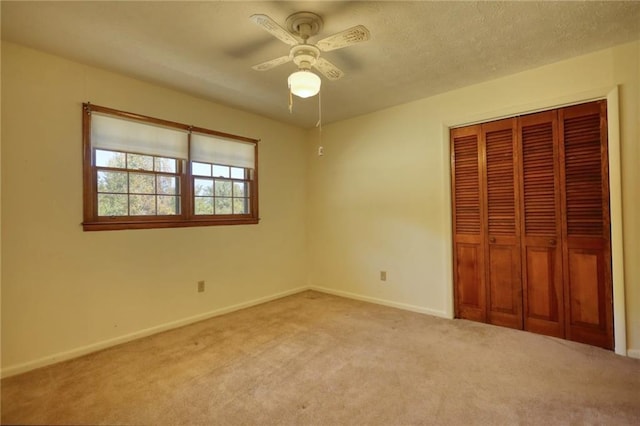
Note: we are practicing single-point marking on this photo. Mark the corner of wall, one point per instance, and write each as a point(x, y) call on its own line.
point(633, 353)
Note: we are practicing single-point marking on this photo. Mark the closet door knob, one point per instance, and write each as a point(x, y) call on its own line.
point(552, 241)
point(492, 240)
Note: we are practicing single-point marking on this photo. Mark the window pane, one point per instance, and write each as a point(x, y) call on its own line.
point(140, 183)
point(167, 184)
point(203, 205)
point(168, 205)
point(223, 205)
point(142, 205)
point(139, 162)
point(237, 173)
point(112, 205)
point(240, 189)
point(223, 188)
point(200, 169)
point(240, 206)
point(112, 182)
point(110, 159)
point(203, 187)
point(168, 165)
point(220, 171)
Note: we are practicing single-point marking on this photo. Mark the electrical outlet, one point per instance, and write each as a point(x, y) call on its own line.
point(320, 151)
point(383, 275)
point(200, 286)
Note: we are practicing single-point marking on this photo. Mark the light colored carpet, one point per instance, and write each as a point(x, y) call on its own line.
point(318, 359)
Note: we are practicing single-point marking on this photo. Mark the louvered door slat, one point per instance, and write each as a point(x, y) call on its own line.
point(583, 175)
point(467, 185)
point(538, 175)
point(500, 187)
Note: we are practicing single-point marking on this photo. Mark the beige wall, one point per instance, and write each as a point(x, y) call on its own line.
point(68, 290)
point(379, 198)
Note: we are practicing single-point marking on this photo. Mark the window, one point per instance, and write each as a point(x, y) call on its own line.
point(142, 172)
point(220, 189)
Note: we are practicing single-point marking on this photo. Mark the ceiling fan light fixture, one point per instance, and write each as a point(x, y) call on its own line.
point(304, 83)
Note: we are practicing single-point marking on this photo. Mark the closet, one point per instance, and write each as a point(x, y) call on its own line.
point(531, 231)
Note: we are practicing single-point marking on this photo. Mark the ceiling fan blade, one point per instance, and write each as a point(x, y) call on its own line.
point(328, 69)
point(276, 30)
point(345, 38)
point(272, 63)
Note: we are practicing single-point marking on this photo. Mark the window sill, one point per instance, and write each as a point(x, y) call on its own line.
point(116, 225)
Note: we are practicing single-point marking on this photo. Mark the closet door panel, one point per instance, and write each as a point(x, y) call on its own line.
point(468, 230)
point(585, 275)
point(503, 275)
point(505, 295)
point(586, 232)
point(470, 295)
point(542, 292)
point(541, 230)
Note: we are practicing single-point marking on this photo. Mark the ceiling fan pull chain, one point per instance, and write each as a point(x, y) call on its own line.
point(319, 123)
point(290, 101)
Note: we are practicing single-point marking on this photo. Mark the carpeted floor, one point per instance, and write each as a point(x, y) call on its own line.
point(316, 359)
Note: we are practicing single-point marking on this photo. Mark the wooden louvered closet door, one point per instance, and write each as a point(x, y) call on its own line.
point(541, 230)
point(586, 232)
point(468, 256)
point(501, 177)
point(532, 238)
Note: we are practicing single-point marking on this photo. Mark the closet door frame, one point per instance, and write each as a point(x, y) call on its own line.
point(495, 112)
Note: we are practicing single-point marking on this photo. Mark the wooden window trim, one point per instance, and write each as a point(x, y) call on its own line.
point(186, 218)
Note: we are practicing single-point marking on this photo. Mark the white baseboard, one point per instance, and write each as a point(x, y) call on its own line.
point(404, 306)
point(633, 353)
point(12, 370)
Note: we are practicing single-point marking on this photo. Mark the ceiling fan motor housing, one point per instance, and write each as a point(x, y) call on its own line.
point(304, 55)
point(304, 24)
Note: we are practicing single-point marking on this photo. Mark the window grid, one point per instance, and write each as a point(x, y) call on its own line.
point(220, 189)
point(114, 184)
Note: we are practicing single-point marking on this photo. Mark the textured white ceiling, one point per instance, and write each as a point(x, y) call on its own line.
point(417, 49)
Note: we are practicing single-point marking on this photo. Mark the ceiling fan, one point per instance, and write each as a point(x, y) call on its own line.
point(300, 27)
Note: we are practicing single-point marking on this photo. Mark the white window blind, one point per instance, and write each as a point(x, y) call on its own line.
point(212, 149)
point(119, 134)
